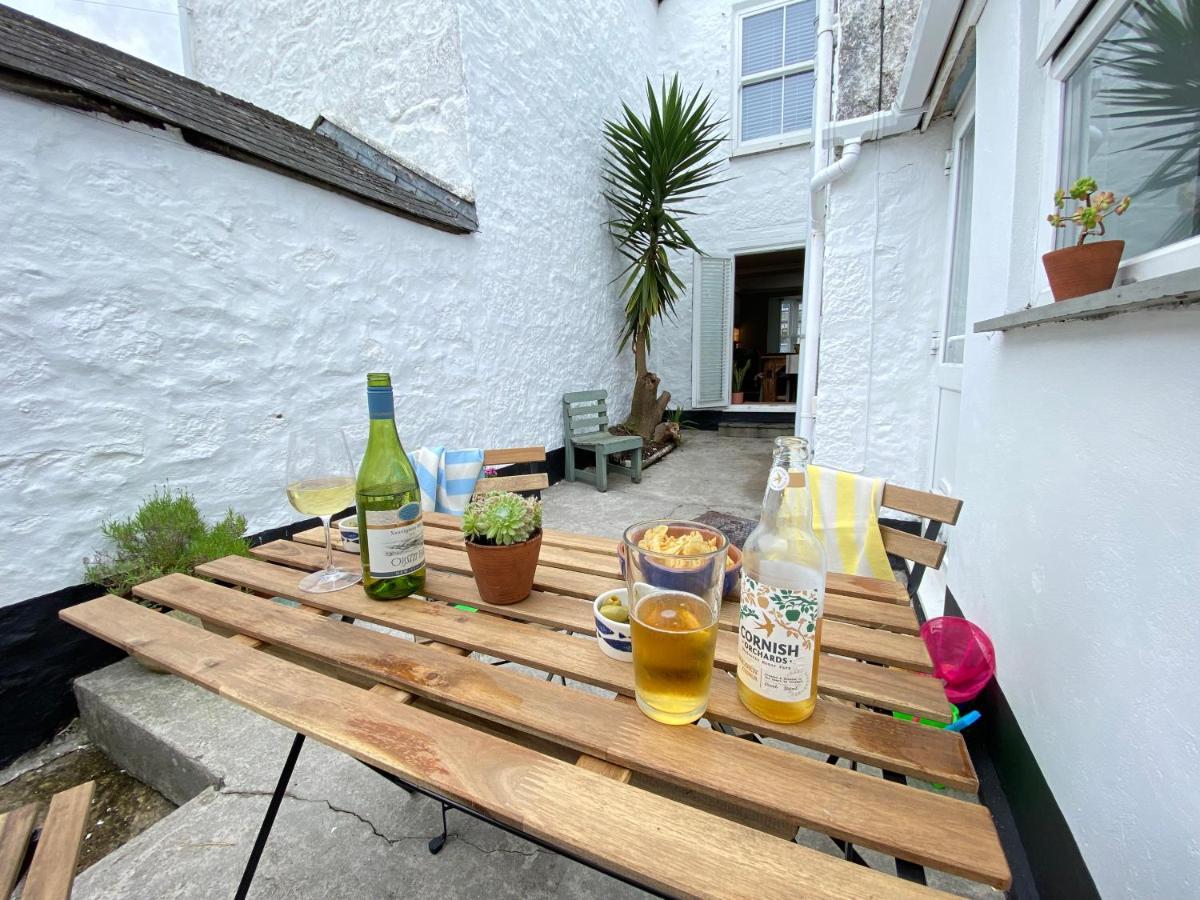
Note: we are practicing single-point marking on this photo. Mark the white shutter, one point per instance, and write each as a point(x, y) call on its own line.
point(712, 330)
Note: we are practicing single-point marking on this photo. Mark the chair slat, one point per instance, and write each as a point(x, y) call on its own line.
point(538, 481)
point(510, 455)
point(665, 844)
point(912, 547)
point(53, 868)
point(924, 504)
point(580, 410)
point(15, 828)
point(582, 396)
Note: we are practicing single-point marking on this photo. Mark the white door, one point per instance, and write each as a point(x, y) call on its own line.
point(712, 330)
point(948, 389)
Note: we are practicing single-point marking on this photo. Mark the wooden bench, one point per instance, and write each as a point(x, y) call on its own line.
point(51, 872)
point(922, 550)
point(519, 483)
point(585, 425)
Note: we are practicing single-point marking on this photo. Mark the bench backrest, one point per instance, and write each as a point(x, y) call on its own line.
point(527, 457)
point(936, 509)
point(584, 412)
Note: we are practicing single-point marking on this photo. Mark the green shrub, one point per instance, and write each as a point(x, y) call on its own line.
point(167, 534)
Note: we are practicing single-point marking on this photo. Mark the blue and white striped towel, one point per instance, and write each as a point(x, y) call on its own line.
point(447, 477)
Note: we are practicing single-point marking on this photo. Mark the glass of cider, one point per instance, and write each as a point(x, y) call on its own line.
point(675, 572)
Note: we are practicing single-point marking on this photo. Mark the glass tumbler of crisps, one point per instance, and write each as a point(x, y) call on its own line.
point(675, 572)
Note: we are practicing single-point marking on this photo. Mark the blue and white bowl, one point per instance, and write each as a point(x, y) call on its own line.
point(348, 529)
point(615, 638)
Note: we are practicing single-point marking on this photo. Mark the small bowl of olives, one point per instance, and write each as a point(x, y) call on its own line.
point(611, 611)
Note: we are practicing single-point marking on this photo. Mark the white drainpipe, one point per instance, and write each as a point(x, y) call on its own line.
point(823, 173)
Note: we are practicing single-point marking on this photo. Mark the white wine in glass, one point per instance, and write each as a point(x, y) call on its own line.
point(320, 482)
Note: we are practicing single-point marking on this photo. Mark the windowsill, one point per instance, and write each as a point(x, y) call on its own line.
point(765, 145)
point(1179, 289)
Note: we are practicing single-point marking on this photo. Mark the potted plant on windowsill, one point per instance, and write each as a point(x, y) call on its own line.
point(504, 538)
point(739, 377)
point(1084, 268)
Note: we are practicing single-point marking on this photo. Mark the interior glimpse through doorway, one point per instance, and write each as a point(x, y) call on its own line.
point(767, 328)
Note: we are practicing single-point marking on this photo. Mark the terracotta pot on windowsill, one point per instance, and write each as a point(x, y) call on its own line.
point(1083, 269)
point(504, 574)
point(738, 397)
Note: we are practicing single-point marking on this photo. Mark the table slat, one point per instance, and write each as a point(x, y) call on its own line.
point(896, 819)
point(15, 828)
point(877, 686)
point(878, 740)
point(52, 870)
point(670, 847)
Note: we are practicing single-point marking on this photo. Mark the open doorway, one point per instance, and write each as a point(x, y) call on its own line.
point(767, 327)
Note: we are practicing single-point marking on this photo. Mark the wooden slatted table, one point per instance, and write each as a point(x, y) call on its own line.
point(434, 718)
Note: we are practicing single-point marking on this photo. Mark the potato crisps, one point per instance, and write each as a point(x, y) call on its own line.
point(659, 540)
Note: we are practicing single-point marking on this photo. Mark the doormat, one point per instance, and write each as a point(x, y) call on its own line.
point(735, 528)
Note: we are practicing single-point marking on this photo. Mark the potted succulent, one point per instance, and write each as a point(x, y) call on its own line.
point(1084, 268)
point(504, 537)
point(739, 376)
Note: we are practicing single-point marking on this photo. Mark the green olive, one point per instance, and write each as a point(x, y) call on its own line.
point(614, 612)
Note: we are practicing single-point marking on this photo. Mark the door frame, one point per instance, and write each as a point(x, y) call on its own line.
point(732, 253)
point(947, 376)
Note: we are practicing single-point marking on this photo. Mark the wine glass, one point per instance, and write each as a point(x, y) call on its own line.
point(320, 482)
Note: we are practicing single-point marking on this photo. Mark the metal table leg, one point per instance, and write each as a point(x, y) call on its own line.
point(264, 830)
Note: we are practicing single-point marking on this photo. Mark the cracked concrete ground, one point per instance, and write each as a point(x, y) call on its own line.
point(343, 831)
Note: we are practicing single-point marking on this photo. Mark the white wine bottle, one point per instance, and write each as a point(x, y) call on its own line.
point(391, 538)
point(783, 596)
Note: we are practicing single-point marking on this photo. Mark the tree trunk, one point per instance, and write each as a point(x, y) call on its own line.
point(648, 405)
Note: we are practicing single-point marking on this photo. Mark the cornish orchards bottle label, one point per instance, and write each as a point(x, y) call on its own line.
point(776, 646)
point(395, 544)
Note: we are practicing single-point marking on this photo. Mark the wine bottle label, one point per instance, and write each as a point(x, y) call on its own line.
point(395, 541)
point(777, 640)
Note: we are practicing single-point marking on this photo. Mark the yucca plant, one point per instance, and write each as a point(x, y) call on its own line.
point(1159, 69)
point(655, 165)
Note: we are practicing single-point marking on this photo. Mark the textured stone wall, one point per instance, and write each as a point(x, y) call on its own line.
point(864, 82)
point(388, 70)
point(168, 314)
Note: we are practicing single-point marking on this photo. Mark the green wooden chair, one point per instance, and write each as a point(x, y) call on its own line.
point(585, 425)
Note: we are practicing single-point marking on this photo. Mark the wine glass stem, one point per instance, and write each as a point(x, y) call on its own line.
point(328, 543)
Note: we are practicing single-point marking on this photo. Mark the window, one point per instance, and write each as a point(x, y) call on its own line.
point(775, 73)
point(1131, 121)
point(1128, 119)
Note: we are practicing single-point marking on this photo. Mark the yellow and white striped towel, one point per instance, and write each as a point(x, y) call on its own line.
point(846, 520)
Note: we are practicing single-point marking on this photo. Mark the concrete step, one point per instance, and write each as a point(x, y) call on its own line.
point(342, 830)
point(753, 429)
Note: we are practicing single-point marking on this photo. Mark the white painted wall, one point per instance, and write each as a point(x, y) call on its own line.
point(884, 268)
point(1077, 548)
point(166, 314)
point(883, 273)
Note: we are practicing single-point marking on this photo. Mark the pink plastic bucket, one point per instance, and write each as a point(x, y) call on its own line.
point(962, 655)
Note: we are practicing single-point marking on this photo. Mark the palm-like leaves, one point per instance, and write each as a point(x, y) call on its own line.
point(655, 165)
point(1160, 66)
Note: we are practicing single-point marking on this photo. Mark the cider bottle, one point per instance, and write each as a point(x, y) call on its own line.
point(783, 596)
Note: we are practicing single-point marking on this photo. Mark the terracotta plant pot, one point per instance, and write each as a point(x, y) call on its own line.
point(1083, 269)
point(738, 397)
point(504, 574)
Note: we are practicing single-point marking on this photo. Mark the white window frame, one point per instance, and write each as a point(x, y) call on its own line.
point(1070, 31)
point(741, 12)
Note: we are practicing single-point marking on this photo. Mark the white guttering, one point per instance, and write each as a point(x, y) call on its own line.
point(814, 251)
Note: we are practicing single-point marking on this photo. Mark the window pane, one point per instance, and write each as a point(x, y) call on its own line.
point(956, 311)
point(762, 41)
point(1132, 124)
point(761, 109)
point(798, 101)
point(800, 37)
